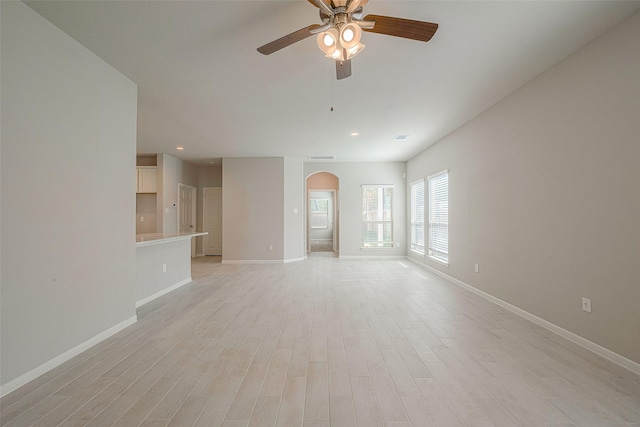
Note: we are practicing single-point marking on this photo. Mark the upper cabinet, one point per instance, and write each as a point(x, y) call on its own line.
point(147, 176)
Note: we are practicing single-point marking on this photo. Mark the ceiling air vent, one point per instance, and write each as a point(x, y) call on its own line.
point(400, 138)
point(322, 157)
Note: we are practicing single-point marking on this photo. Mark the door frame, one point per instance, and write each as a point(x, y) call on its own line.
point(194, 205)
point(334, 198)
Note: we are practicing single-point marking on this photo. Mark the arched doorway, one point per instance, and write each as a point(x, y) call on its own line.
point(323, 213)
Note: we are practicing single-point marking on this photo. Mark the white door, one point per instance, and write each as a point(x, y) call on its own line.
point(212, 220)
point(187, 212)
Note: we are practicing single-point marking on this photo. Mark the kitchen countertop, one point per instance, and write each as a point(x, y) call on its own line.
point(148, 239)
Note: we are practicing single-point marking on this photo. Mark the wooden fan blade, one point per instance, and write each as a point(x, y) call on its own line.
point(343, 69)
point(287, 40)
point(399, 27)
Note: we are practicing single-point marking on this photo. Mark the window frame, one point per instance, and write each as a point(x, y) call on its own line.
point(414, 224)
point(434, 252)
point(388, 244)
point(319, 210)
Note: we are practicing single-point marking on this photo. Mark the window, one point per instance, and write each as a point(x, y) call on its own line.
point(377, 218)
point(417, 216)
point(439, 216)
point(319, 213)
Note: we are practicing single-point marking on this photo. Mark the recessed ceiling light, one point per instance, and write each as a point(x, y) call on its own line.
point(179, 148)
point(354, 133)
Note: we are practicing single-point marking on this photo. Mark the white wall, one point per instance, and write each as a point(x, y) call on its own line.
point(351, 178)
point(68, 194)
point(253, 209)
point(208, 176)
point(545, 194)
point(173, 172)
point(259, 199)
point(293, 210)
point(151, 281)
point(147, 208)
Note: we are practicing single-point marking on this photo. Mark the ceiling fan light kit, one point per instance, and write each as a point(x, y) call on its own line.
point(339, 37)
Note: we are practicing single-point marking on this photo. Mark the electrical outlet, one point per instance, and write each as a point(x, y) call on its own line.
point(164, 268)
point(141, 219)
point(586, 304)
point(270, 247)
point(477, 268)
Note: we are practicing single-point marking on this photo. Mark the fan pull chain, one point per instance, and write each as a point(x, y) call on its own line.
point(331, 93)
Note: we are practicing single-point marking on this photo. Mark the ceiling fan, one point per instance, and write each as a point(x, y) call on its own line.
point(342, 24)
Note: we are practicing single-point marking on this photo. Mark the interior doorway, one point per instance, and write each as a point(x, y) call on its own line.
point(322, 220)
point(323, 213)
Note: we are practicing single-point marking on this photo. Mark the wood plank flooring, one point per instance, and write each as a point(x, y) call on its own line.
point(327, 342)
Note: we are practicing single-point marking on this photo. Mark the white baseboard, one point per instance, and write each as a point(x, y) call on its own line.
point(59, 360)
point(262, 261)
point(252, 261)
point(371, 257)
point(576, 339)
point(173, 287)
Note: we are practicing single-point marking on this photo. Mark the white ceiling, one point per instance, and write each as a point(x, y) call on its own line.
point(203, 85)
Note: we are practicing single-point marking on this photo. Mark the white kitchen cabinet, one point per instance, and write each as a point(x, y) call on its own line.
point(147, 176)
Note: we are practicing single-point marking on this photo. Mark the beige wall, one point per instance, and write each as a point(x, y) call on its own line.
point(545, 194)
point(67, 196)
point(173, 172)
point(258, 201)
point(351, 177)
point(253, 209)
point(148, 160)
point(322, 181)
point(293, 188)
point(150, 279)
point(208, 176)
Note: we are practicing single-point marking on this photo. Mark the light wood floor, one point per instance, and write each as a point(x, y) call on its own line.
point(328, 342)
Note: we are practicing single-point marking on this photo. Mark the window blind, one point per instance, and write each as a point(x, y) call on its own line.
point(417, 216)
point(377, 216)
point(439, 216)
point(319, 213)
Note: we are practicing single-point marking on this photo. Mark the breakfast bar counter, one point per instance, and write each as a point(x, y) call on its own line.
point(163, 264)
point(160, 238)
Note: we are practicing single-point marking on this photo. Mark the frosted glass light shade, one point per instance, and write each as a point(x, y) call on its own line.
point(328, 41)
point(350, 35)
point(354, 50)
